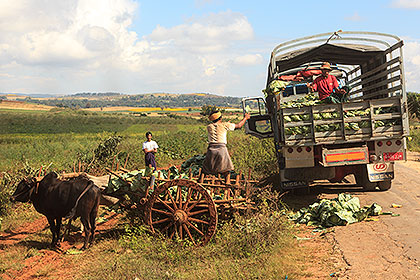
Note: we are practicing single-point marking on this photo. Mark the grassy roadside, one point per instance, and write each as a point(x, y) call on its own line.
point(260, 246)
point(235, 253)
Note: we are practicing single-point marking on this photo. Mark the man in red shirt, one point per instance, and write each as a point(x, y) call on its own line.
point(326, 85)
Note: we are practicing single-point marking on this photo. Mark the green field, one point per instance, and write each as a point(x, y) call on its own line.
point(62, 138)
point(258, 246)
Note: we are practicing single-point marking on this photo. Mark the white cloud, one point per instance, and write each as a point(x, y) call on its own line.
point(412, 65)
point(212, 33)
point(406, 4)
point(68, 46)
point(248, 59)
point(354, 17)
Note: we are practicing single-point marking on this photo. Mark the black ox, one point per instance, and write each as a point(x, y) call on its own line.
point(57, 199)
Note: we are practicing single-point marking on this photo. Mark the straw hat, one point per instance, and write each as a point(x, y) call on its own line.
point(326, 66)
point(215, 116)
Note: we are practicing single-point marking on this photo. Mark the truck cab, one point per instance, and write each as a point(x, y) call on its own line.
point(363, 135)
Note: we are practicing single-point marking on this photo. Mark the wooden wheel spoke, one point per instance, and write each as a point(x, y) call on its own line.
point(167, 226)
point(162, 212)
point(172, 199)
point(193, 205)
point(195, 228)
point(166, 205)
point(190, 191)
point(172, 234)
point(179, 196)
point(189, 233)
point(187, 212)
point(198, 212)
point(198, 220)
point(161, 221)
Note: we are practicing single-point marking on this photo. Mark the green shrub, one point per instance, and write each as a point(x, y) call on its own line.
point(414, 140)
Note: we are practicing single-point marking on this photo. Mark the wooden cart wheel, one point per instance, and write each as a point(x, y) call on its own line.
point(182, 209)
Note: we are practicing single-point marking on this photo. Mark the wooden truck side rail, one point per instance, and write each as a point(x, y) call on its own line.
point(383, 118)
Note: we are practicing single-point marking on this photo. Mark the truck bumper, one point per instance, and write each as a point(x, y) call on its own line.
point(340, 157)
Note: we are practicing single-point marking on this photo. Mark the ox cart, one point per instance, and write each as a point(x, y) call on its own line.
point(186, 208)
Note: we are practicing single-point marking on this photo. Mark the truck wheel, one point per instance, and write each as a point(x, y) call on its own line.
point(363, 181)
point(369, 186)
point(385, 185)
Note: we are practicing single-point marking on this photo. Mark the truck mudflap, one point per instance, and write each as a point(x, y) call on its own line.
point(382, 171)
point(339, 157)
point(290, 185)
point(287, 184)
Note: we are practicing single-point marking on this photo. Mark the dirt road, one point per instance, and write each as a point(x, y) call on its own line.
point(390, 247)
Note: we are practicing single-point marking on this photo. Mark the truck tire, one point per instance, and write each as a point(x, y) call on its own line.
point(363, 180)
point(385, 185)
point(368, 186)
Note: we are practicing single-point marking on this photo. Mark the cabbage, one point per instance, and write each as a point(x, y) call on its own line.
point(317, 116)
point(322, 128)
point(340, 211)
point(275, 87)
point(364, 124)
point(326, 116)
point(351, 126)
point(308, 100)
point(305, 117)
point(287, 119)
point(379, 124)
point(295, 118)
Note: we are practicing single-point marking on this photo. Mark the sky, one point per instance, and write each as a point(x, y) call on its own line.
point(213, 46)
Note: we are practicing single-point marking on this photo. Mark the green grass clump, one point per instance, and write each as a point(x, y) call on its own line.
point(256, 247)
point(414, 140)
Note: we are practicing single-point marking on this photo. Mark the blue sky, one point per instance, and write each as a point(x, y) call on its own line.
point(284, 19)
point(214, 46)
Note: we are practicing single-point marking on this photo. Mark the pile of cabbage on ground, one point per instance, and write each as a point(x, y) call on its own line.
point(312, 99)
point(340, 211)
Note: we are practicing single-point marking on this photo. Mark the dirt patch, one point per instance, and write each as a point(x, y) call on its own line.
point(323, 259)
point(9, 104)
point(48, 263)
point(15, 236)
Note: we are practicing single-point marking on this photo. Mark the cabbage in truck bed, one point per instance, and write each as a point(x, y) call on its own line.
point(312, 99)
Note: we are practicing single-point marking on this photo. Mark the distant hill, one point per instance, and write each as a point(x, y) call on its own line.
point(96, 100)
point(23, 95)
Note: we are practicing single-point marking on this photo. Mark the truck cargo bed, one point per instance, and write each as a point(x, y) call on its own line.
point(343, 123)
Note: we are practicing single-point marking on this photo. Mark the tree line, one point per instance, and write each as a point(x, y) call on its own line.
point(144, 100)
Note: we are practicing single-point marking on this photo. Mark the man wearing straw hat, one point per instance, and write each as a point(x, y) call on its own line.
point(217, 159)
point(327, 86)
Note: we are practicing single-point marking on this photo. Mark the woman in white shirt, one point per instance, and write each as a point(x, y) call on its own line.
point(217, 159)
point(149, 149)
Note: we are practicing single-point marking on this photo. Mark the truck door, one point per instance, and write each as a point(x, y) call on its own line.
point(259, 124)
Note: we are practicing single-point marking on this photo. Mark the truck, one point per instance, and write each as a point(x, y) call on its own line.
point(363, 136)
